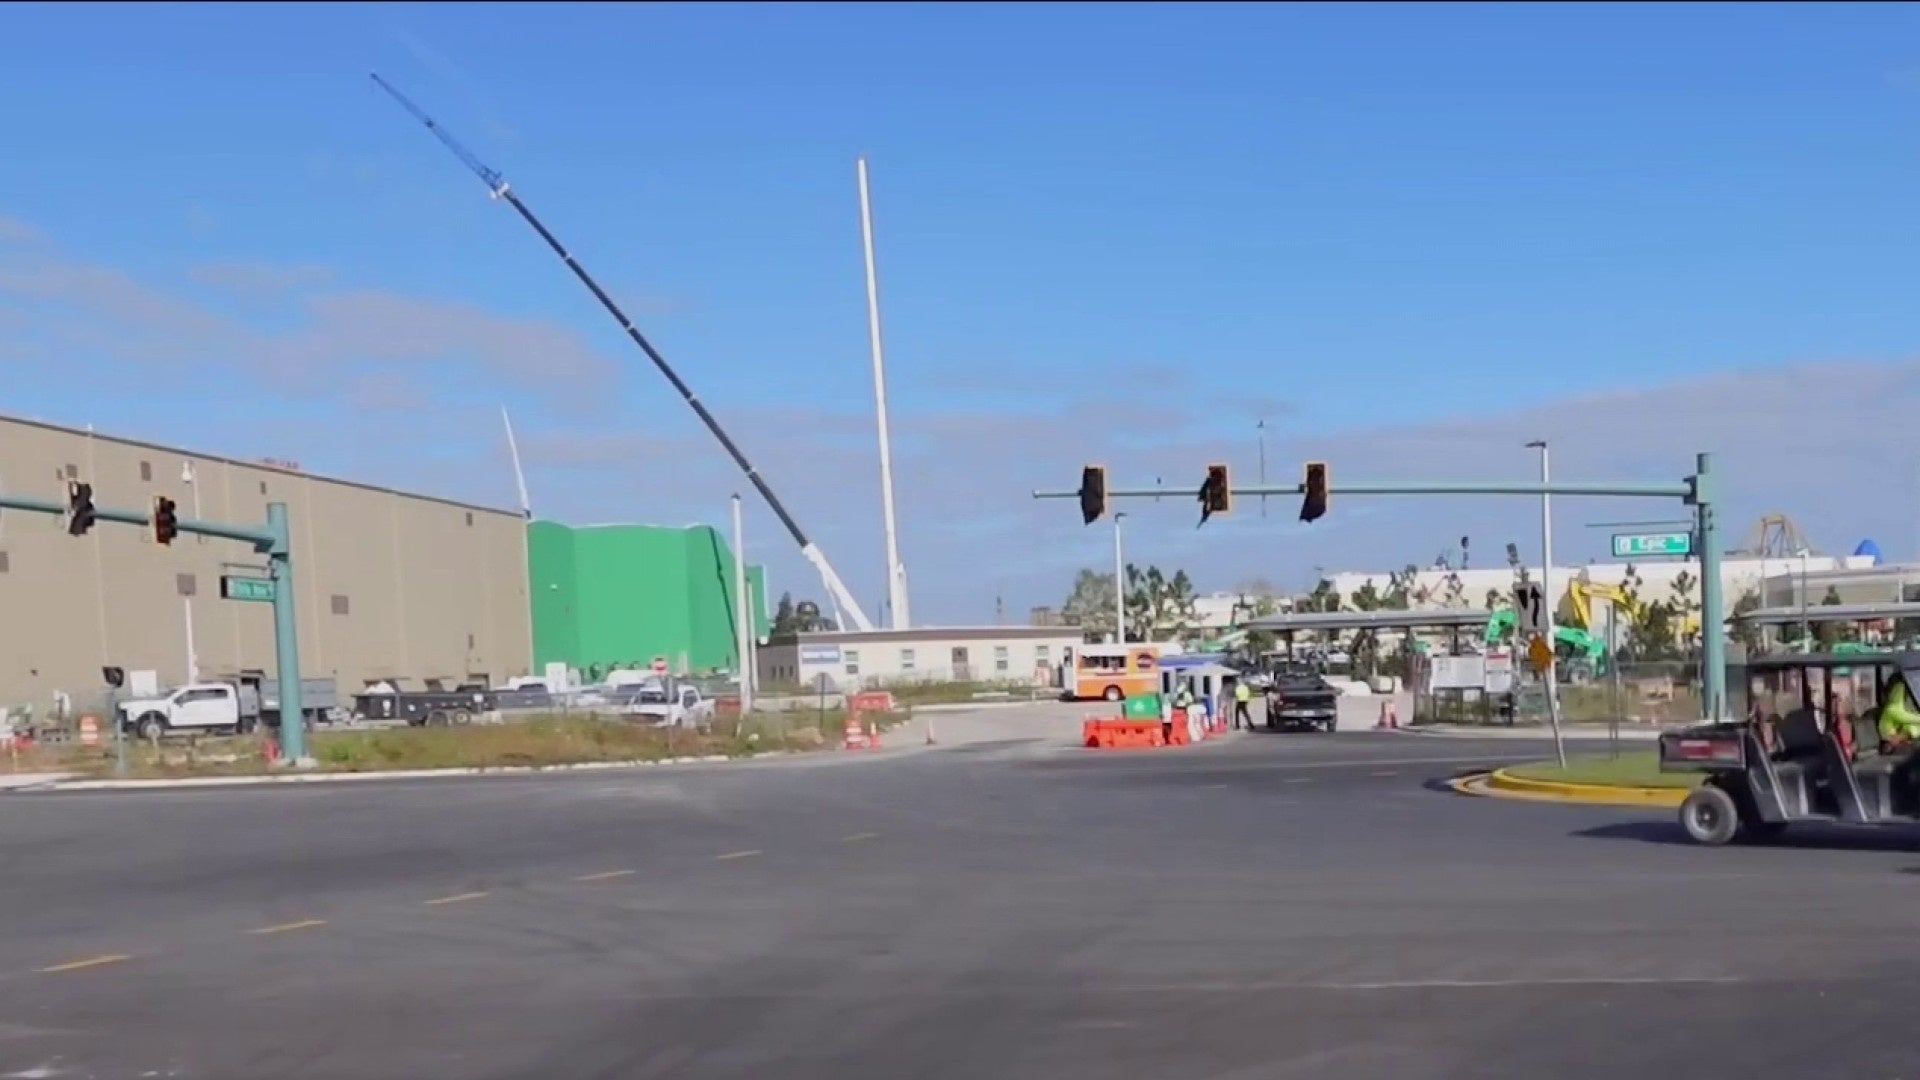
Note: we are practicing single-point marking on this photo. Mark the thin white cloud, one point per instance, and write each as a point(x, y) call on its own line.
point(259, 279)
point(15, 231)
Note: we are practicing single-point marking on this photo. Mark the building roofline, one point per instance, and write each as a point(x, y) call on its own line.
point(225, 460)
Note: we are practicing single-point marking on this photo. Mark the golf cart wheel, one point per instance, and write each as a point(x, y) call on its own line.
point(1710, 816)
point(1113, 694)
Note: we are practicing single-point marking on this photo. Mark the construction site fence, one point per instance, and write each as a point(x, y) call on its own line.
point(1662, 693)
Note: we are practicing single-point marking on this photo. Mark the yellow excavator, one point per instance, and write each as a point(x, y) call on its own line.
point(1580, 596)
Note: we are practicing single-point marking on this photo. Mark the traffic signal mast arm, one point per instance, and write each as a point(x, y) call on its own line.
point(262, 540)
point(1605, 488)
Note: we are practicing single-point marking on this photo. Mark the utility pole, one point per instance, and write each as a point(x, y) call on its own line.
point(1262, 426)
point(1119, 586)
point(743, 619)
point(1546, 594)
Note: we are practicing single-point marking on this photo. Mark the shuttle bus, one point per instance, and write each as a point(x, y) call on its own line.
point(1113, 672)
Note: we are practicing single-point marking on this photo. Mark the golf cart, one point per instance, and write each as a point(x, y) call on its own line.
point(1809, 750)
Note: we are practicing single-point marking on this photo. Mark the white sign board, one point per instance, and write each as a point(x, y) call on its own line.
point(1530, 601)
point(1459, 672)
point(1499, 673)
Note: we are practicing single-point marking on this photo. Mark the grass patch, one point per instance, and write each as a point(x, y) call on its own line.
point(1634, 768)
point(538, 740)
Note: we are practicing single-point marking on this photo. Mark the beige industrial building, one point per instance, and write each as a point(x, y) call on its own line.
point(388, 585)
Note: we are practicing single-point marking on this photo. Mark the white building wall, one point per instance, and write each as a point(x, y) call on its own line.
point(891, 657)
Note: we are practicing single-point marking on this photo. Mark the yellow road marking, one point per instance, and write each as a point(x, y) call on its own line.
point(737, 855)
point(858, 836)
point(303, 924)
point(457, 898)
point(605, 875)
point(91, 961)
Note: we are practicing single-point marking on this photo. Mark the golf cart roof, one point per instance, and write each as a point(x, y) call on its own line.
point(1906, 660)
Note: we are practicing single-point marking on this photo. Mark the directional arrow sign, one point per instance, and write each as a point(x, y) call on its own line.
point(1530, 601)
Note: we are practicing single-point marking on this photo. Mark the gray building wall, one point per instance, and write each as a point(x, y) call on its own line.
point(388, 585)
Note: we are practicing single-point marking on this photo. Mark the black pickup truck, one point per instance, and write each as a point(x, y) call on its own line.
point(1299, 697)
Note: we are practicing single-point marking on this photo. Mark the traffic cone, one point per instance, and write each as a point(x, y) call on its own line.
point(930, 739)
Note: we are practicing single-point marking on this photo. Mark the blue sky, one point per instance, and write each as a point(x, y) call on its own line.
point(1410, 237)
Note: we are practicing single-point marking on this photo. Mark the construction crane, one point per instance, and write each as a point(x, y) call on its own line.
point(837, 591)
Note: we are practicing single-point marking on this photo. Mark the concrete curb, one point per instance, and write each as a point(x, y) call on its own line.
point(397, 774)
point(1581, 734)
point(968, 706)
point(1502, 784)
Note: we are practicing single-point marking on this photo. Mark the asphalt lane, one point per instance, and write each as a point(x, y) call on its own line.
point(1262, 906)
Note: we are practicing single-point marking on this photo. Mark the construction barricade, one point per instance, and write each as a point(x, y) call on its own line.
point(1120, 734)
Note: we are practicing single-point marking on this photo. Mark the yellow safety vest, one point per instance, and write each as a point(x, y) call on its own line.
point(1898, 720)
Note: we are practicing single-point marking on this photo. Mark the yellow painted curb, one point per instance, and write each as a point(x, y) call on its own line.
point(1502, 784)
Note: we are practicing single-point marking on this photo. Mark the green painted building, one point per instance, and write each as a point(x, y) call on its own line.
point(609, 596)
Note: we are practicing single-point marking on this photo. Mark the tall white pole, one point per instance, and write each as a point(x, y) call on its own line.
point(1119, 586)
point(896, 571)
point(519, 477)
point(1547, 601)
point(743, 618)
point(193, 658)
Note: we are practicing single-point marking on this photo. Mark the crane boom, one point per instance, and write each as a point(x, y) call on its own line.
point(497, 185)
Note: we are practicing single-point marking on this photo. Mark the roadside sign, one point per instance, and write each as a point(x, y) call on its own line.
point(1630, 545)
point(1540, 654)
point(235, 587)
point(1499, 673)
point(659, 665)
point(1530, 601)
point(1458, 673)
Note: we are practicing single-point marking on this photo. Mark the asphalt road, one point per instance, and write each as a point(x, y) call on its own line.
point(1263, 906)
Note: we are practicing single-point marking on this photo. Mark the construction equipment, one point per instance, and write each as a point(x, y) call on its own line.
point(1581, 593)
point(1584, 654)
point(837, 591)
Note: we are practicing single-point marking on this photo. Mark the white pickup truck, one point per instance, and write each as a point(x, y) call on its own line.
point(198, 707)
point(668, 704)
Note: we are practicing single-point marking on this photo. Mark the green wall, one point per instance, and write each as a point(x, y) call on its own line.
point(619, 595)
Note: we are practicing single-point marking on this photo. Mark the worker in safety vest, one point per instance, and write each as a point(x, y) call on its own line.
point(1899, 720)
point(1242, 697)
point(1183, 700)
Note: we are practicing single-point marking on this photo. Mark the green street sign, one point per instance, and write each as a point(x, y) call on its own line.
point(246, 588)
point(1631, 545)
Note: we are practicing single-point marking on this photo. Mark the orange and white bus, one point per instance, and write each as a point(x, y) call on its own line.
point(1113, 672)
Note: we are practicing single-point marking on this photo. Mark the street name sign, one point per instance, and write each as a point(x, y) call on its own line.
point(1635, 545)
point(234, 587)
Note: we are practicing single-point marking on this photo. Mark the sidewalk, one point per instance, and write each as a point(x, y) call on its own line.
point(26, 780)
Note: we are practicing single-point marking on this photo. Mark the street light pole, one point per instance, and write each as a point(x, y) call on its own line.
point(1262, 425)
point(1119, 586)
point(1546, 595)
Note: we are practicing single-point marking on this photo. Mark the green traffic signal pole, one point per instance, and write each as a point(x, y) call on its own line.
point(1696, 491)
point(271, 541)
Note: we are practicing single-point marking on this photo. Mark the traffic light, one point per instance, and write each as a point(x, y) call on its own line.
point(79, 507)
point(1314, 506)
point(1216, 496)
point(1093, 493)
point(166, 523)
